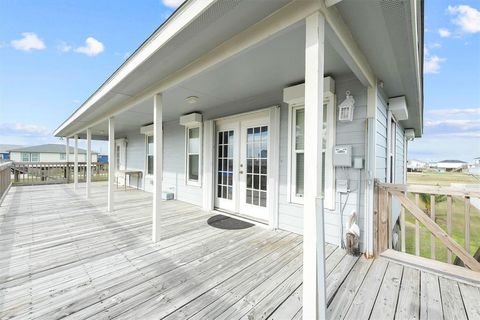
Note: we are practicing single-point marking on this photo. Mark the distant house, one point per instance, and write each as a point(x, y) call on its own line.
point(476, 161)
point(48, 153)
point(451, 165)
point(416, 165)
point(4, 151)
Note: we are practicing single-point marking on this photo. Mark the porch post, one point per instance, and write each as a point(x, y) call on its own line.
point(314, 288)
point(67, 159)
point(89, 162)
point(111, 162)
point(75, 164)
point(157, 165)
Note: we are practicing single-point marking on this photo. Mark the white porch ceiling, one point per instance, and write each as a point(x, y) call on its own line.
point(256, 76)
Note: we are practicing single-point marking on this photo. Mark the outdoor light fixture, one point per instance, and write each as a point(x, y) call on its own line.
point(345, 109)
point(191, 99)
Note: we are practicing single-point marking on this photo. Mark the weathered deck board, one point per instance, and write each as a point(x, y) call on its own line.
point(62, 256)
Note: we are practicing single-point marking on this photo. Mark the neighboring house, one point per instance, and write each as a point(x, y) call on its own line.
point(476, 162)
point(4, 151)
point(48, 153)
point(102, 158)
point(416, 165)
point(450, 165)
point(225, 103)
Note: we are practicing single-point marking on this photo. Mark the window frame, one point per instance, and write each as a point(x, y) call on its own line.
point(147, 154)
point(329, 102)
point(195, 183)
point(37, 154)
point(27, 154)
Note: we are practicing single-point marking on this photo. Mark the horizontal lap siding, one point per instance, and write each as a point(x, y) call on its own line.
point(173, 162)
point(352, 133)
point(399, 155)
point(381, 140)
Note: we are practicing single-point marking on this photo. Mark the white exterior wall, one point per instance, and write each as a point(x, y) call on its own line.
point(290, 214)
point(52, 157)
point(381, 139)
point(352, 133)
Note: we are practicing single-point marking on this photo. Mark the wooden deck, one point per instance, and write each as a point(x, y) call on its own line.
point(63, 256)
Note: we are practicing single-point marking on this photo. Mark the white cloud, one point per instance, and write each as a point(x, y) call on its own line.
point(172, 3)
point(23, 129)
point(92, 47)
point(466, 17)
point(460, 124)
point(64, 47)
point(432, 63)
point(444, 33)
point(29, 42)
point(451, 112)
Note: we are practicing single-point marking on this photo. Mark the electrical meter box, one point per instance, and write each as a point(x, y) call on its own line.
point(342, 156)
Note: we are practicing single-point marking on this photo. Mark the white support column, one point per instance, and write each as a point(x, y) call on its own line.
point(75, 164)
point(67, 159)
point(89, 163)
point(157, 165)
point(111, 162)
point(314, 282)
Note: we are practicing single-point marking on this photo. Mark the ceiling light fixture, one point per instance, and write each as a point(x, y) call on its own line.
point(191, 99)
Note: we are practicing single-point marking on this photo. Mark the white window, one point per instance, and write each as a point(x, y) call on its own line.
point(297, 138)
point(35, 157)
point(149, 154)
point(25, 157)
point(62, 156)
point(193, 155)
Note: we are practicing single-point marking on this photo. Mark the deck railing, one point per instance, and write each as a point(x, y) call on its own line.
point(433, 222)
point(31, 173)
point(5, 178)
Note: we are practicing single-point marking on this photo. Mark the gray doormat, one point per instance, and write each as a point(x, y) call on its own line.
point(223, 222)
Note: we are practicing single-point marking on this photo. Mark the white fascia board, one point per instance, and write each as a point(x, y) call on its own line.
point(279, 20)
point(176, 23)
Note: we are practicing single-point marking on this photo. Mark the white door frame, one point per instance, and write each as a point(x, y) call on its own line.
point(210, 174)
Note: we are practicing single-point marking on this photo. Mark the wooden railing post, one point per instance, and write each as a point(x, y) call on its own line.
point(432, 216)
point(417, 227)
point(467, 224)
point(402, 227)
point(449, 225)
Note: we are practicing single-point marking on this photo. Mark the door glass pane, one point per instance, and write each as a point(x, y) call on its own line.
point(225, 140)
point(256, 166)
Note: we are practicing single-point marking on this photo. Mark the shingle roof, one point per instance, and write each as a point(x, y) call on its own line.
point(49, 148)
point(451, 161)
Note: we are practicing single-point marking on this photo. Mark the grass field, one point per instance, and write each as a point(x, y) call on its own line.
point(458, 216)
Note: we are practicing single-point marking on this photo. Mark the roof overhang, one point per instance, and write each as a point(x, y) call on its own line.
point(204, 33)
point(390, 34)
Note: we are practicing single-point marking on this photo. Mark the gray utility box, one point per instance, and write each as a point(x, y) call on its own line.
point(342, 156)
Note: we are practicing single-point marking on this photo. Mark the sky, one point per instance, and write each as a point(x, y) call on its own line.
point(55, 54)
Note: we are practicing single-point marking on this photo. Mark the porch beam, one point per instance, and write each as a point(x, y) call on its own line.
point(111, 162)
point(89, 163)
point(279, 20)
point(314, 287)
point(75, 164)
point(343, 42)
point(157, 165)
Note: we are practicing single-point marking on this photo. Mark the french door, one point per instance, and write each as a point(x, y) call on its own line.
point(242, 145)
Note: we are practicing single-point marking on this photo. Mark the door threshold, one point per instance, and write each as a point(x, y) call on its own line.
point(235, 215)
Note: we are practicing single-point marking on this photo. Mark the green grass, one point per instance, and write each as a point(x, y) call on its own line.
point(458, 216)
